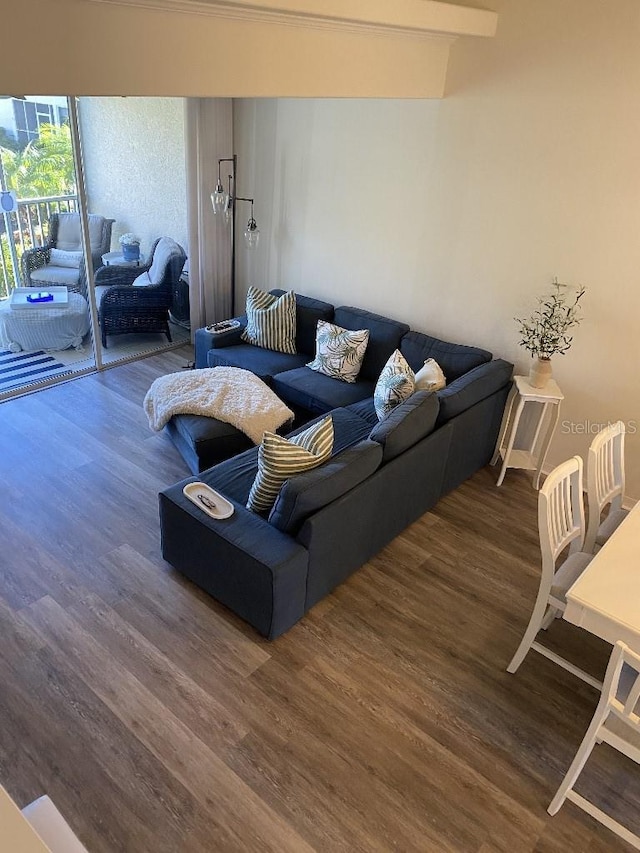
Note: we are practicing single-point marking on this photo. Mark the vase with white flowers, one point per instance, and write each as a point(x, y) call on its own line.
point(130, 244)
point(546, 332)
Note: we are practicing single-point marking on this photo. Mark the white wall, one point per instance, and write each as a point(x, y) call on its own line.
point(454, 215)
point(134, 156)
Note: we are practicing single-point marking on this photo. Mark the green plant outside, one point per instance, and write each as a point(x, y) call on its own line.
point(43, 168)
point(6, 288)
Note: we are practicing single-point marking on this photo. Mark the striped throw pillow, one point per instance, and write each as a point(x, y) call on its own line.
point(280, 458)
point(339, 352)
point(395, 384)
point(271, 320)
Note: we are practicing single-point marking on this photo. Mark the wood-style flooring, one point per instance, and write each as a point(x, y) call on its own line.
point(384, 721)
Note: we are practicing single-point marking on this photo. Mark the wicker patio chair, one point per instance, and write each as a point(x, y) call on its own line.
point(64, 232)
point(137, 299)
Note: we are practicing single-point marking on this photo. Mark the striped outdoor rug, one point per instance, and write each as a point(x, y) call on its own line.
point(23, 368)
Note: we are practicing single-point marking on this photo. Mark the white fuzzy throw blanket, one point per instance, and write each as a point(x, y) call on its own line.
point(229, 394)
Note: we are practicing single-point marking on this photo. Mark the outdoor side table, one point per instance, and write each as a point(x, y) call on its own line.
point(530, 458)
point(116, 259)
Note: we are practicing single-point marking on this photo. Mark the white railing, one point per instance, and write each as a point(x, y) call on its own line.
point(25, 229)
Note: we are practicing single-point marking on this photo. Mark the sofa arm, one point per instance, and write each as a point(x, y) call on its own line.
point(206, 340)
point(242, 561)
point(472, 387)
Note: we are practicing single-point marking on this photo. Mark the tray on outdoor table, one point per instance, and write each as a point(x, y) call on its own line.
point(19, 297)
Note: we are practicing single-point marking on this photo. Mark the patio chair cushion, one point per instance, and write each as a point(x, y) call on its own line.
point(66, 276)
point(69, 233)
point(164, 250)
point(69, 239)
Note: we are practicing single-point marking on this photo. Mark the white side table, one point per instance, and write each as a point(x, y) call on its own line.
point(531, 458)
point(116, 259)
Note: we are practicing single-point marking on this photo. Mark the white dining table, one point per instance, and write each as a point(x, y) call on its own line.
point(605, 600)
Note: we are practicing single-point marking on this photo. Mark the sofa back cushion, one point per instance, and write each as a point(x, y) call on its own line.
point(308, 312)
point(454, 359)
point(307, 493)
point(384, 337)
point(473, 387)
point(407, 424)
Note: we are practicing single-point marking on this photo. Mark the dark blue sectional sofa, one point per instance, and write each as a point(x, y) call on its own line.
point(381, 477)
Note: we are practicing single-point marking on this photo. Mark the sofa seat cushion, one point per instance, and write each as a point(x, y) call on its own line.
point(454, 359)
point(406, 424)
point(308, 312)
point(348, 429)
point(317, 393)
point(366, 410)
point(204, 441)
point(52, 275)
point(234, 477)
point(308, 492)
point(265, 363)
point(384, 337)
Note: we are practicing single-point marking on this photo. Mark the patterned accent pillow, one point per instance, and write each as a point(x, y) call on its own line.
point(339, 352)
point(271, 320)
point(60, 258)
point(395, 384)
point(430, 377)
point(280, 458)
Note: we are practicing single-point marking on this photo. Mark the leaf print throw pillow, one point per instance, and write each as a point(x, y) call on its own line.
point(339, 352)
point(395, 384)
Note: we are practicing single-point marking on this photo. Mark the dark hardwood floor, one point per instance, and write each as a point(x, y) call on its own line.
point(384, 721)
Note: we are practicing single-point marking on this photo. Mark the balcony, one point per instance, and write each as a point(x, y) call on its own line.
point(25, 229)
point(133, 153)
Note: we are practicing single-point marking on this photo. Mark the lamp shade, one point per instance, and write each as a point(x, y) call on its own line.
point(218, 199)
point(251, 234)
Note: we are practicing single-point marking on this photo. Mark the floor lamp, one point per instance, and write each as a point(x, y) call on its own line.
point(224, 203)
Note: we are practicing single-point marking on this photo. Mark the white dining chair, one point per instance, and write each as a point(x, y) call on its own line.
point(615, 722)
point(605, 485)
point(560, 524)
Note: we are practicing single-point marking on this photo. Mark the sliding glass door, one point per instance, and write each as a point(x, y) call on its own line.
point(120, 161)
point(45, 322)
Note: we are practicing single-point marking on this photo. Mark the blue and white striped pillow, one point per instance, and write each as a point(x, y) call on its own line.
point(280, 458)
point(271, 320)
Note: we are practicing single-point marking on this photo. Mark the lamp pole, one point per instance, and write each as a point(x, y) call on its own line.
point(226, 202)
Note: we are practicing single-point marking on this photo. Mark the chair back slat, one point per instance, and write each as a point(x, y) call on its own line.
point(605, 470)
point(624, 666)
point(560, 511)
point(605, 477)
